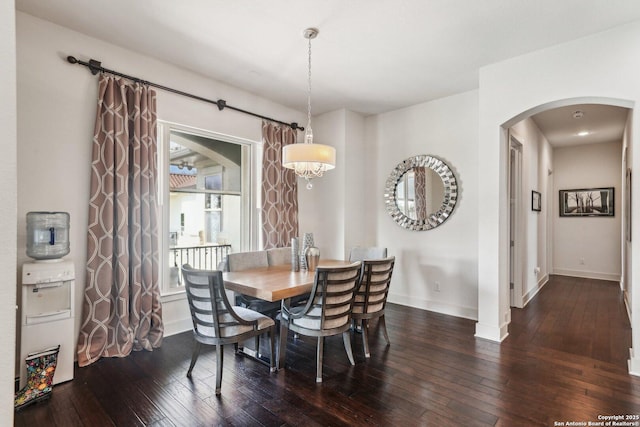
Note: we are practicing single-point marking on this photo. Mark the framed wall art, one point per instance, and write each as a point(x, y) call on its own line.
point(587, 202)
point(536, 201)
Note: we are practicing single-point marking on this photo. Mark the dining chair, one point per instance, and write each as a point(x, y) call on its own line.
point(279, 256)
point(216, 322)
point(371, 297)
point(282, 256)
point(240, 261)
point(326, 313)
point(360, 253)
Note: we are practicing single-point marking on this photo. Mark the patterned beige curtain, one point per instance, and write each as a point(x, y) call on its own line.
point(419, 182)
point(121, 310)
point(279, 188)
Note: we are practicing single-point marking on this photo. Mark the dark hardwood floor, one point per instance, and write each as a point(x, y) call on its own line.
point(565, 360)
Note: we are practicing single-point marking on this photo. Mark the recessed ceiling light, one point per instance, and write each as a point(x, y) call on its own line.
point(578, 114)
point(583, 133)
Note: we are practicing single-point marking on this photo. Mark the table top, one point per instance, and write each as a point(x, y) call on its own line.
point(276, 282)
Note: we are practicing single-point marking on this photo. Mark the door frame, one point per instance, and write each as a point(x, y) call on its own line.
point(516, 221)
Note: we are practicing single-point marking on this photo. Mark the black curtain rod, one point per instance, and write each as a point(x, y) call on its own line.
point(96, 67)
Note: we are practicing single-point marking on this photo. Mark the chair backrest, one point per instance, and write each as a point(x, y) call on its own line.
point(371, 296)
point(359, 253)
point(240, 261)
point(331, 298)
point(279, 256)
point(211, 311)
point(224, 264)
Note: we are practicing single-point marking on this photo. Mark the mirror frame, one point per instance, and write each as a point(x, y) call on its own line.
point(450, 193)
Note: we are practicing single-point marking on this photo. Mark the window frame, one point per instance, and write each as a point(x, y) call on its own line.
point(250, 151)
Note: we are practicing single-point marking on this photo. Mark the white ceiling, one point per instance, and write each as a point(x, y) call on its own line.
point(371, 56)
point(602, 123)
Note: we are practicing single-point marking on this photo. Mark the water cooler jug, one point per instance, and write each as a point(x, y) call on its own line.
point(47, 235)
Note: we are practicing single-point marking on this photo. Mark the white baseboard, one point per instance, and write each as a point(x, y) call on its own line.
point(587, 274)
point(492, 333)
point(533, 292)
point(175, 313)
point(438, 307)
point(178, 326)
point(633, 363)
point(627, 306)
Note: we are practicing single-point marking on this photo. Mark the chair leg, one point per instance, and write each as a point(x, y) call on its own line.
point(282, 343)
point(346, 337)
point(365, 337)
point(272, 358)
point(319, 354)
point(219, 357)
point(384, 329)
point(194, 357)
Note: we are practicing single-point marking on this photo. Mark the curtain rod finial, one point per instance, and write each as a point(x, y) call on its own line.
point(72, 59)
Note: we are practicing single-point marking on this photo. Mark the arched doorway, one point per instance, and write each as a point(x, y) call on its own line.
point(578, 146)
point(493, 324)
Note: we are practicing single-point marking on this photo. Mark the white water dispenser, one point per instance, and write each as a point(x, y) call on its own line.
point(48, 314)
point(48, 293)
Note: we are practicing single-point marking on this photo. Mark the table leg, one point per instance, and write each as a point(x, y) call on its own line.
point(282, 338)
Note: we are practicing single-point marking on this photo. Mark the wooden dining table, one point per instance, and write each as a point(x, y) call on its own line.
point(276, 282)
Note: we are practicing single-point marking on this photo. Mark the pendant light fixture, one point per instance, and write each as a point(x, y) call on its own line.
point(307, 159)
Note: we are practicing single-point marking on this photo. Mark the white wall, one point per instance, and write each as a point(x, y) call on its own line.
point(537, 160)
point(588, 246)
point(56, 114)
point(359, 162)
point(447, 129)
point(601, 68)
point(545, 219)
point(7, 208)
point(338, 208)
point(321, 208)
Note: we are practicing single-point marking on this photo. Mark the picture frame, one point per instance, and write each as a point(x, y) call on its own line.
point(583, 202)
point(536, 201)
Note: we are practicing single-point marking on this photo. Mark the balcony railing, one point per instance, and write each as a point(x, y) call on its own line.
point(205, 257)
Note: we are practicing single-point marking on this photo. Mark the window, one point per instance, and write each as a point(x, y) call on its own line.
point(405, 195)
point(205, 198)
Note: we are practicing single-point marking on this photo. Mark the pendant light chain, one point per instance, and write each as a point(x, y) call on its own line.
point(308, 138)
